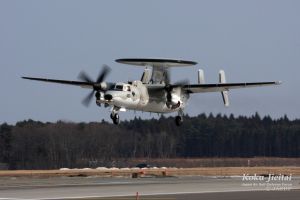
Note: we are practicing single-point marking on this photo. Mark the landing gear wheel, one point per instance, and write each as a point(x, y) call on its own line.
point(178, 120)
point(115, 118)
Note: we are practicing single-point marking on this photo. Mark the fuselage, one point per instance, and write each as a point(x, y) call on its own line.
point(136, 96)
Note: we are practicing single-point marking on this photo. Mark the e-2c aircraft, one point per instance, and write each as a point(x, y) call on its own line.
point(153, 92)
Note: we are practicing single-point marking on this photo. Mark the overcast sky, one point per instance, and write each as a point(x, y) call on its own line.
point(250, 40)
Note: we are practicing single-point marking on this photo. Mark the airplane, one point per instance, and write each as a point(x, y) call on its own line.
point(153, 92)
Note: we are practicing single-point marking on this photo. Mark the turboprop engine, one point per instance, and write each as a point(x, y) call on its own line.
point(173, 98)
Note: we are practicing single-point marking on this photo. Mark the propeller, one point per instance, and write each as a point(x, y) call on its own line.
point(99, 85)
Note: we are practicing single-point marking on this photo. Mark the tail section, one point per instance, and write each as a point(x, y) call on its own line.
point(146, 76)
point(222, 79)
point(201, 79)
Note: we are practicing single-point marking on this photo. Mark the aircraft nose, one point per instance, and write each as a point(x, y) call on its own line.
point(108, 97)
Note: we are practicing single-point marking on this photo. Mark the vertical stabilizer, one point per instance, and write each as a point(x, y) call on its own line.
point(146, 75)
point(201, 79)
point(222, 79)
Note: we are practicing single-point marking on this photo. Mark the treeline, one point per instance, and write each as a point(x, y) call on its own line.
point(37, 145)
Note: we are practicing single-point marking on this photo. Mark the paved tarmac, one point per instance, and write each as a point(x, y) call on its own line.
point(245, 195)
point(185, 187)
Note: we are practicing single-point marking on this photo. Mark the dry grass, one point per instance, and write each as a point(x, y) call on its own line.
point(203, 171)
point(219, 162)
point(179, 166)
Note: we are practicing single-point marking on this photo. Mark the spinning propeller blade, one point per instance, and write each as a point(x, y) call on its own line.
point(87, 100)
point(104, 72)
point(84, 77)
point(101, 77)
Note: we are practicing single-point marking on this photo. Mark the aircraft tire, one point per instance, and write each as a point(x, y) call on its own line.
point(116, 119)
point(178, 120)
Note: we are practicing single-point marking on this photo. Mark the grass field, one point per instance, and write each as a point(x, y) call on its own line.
point(176, 167)
point(202, 171)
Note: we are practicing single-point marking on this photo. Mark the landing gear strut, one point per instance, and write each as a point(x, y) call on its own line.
point(179, 118)
point(115, 118)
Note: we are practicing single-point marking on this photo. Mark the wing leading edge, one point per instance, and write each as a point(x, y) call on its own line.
point(219, 87)
point(76, 83)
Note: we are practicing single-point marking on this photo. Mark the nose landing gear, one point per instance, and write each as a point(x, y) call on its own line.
point(115, 117)
point(179, 118)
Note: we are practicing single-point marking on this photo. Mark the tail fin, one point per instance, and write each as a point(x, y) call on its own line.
point(222, 79)
point(146, 76)
point(201, 79)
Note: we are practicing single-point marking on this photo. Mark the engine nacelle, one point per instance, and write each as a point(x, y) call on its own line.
point(173, 101)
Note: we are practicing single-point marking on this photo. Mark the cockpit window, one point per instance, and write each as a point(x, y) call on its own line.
point(119, 87)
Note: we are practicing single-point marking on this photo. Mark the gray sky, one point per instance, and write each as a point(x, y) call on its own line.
point(250, 40)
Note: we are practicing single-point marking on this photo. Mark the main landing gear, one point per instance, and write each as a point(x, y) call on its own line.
point(179, 118)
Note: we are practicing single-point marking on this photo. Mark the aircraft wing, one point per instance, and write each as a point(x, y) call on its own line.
point(76, 83)
point(219, 87)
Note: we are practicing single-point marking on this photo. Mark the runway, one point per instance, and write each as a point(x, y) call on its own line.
point(184, 187)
